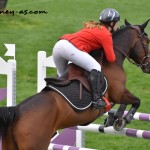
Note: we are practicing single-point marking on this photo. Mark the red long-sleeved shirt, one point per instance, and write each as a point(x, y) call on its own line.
point(89, 40)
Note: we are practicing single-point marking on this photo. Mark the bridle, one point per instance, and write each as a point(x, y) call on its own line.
point(142, 64)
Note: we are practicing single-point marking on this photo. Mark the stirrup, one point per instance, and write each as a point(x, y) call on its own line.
point(99, 104)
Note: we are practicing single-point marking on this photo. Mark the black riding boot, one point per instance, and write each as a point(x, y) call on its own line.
point(96, 78)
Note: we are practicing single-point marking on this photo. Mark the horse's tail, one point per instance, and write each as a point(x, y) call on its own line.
point(7, 116)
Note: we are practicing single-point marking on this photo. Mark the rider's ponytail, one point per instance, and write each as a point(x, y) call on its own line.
point(91, 24)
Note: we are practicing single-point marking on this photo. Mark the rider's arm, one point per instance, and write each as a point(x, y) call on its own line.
point(107, 45)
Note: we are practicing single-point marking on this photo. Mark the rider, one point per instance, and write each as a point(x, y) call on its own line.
point(77, 46)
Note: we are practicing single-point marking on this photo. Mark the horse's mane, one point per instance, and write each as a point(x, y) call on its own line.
point(120, 29)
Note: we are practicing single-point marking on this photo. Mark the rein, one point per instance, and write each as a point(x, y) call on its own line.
point(127, 55)
point(133, 62)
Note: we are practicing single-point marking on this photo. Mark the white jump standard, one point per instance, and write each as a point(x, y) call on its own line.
point(9, 69)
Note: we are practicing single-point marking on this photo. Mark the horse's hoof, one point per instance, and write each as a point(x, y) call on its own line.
point(128, 118)
point(119, 124)
point(109, 121)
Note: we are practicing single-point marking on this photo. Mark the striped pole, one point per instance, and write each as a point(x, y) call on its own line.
point(65, 147)
point(137, 115)
point(3, 93)
point(110, 130)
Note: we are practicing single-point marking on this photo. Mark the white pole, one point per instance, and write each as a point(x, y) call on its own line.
point(43, 63)
point(80, 138)
point(41, 71)
point(11, 83)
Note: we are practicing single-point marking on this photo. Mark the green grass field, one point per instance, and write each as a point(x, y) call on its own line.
point(34, 32)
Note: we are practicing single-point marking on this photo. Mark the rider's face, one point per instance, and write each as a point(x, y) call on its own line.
point(115, 26)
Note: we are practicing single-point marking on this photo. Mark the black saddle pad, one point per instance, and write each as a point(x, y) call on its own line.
point(71, 93)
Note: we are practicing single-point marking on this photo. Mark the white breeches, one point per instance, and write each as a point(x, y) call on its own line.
point(64, 51)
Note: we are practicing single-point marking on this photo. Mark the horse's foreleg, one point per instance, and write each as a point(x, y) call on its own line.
point(119, 113)
point(116, 119)
point(129, 98)
point(109, 121)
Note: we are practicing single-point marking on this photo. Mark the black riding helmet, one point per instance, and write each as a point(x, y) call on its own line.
point(109, 15)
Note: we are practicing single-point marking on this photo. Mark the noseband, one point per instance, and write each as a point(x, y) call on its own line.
point(142, 64)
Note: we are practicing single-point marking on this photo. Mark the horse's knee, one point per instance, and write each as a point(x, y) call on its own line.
point(132, 111)
point(137, 103)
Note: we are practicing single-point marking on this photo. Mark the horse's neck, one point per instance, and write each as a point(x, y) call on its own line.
point(122, 46)
point(119, 57)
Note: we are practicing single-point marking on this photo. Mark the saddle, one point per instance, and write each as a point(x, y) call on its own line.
point(73, 72)
point(74, 86)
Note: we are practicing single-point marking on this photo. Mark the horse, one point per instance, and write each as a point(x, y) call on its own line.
point(116, 120)
point(31, 124)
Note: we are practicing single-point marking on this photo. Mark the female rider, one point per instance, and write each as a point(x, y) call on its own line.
point(77, 46)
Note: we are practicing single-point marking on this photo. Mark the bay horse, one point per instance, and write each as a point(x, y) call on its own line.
point(31, 124)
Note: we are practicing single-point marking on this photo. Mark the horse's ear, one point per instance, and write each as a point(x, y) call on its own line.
point(126, 22)
point(143, 26)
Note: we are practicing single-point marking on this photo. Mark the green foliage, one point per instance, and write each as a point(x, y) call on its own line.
point(34, 32)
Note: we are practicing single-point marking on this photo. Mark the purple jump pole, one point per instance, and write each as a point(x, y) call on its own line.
point(3, 93)
point(110, 130)
point(65, 147)
point(137, 115)
point(66, 137)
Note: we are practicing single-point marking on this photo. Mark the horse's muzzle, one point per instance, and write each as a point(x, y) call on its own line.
point(146, 68)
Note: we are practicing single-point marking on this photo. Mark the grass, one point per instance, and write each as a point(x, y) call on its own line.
point(34, 32)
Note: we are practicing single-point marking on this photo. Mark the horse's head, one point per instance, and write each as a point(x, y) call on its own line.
point(139, 52)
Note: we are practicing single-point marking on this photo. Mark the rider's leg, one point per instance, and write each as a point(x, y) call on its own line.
point(59, 58)
point(96, 79)
point(64, 51)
